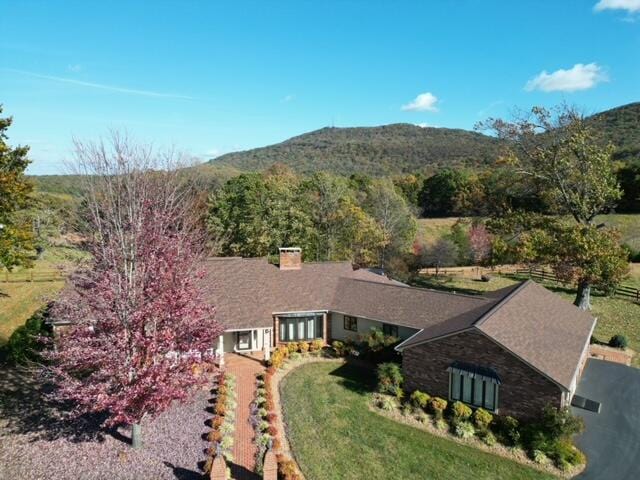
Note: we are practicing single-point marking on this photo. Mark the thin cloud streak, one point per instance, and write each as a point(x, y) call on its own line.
point(101, 86)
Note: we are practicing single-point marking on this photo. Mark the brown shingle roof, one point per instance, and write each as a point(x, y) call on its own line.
point(247, 291)
point(531, 322)
point(537, 326)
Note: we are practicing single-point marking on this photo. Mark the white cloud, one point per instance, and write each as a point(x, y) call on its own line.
point(288, 98)
point(75, 68)
point(631, 6)
point(422, 125)
point(425, 102)
point(101, 86)
point(578, 77)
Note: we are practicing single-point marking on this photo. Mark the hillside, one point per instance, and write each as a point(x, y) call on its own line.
point(384, 150)
point(621, 126)
point(403, 148)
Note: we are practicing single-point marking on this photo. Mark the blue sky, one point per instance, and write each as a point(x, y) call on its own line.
point(213, 77)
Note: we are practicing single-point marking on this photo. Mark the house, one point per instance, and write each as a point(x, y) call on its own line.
point(511, 351)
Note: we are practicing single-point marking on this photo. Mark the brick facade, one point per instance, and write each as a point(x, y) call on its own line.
point(523, 391)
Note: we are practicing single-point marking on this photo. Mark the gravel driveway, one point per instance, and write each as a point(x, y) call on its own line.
point(37, 443)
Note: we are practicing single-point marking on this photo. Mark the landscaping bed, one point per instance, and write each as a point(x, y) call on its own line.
point(36, 441)
point(326, 408)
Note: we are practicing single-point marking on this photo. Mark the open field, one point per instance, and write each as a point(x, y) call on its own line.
point(329, 423)
point(20, 299)
point(430, 229)
point(615, 315)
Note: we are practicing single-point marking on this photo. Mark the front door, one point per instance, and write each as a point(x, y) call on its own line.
point(244, 340)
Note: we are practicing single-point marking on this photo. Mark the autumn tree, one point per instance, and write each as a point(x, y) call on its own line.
point(574, 167)
point(393, 216)
point(141, 329)
point(16, 237)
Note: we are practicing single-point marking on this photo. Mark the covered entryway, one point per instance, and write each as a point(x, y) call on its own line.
point(611, 440)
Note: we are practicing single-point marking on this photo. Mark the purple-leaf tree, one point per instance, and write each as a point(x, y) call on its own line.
point(480, 240)
point(141, 330)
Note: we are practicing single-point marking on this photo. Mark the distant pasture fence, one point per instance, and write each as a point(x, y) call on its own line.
point(32, 276)
point(626, 292)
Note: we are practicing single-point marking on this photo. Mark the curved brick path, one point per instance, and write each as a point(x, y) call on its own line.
point(245, 369)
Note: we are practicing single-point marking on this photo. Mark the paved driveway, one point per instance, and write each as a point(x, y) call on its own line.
point(611, 440)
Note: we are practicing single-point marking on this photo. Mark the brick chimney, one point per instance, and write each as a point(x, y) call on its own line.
point(290, 258)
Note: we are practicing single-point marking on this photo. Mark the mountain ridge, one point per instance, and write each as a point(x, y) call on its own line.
point(406, 148)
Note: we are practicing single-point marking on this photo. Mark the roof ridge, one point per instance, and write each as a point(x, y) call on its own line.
point(422, 289)
point(500, 303)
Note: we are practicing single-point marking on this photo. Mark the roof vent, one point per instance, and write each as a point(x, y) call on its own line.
point(290, 258)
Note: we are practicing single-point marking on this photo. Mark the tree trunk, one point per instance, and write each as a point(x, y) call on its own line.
point(583, 297)
point(136, 435)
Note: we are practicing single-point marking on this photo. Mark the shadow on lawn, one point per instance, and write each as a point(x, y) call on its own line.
point(356, 376)
point(26, 410)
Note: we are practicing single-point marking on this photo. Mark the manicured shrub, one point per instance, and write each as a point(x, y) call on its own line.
point(217, 421)
point(220, 409)
point(24, 344)
point(272, 430)
point(316, 345)
point(294, 356)
point(618, 341)
point(304, 347)
point(540, 457)
point(464, 429)
point(386, 402)
point(215, 436)
point(437, 406)
point(441, 424)
point(460, 412)
point(508, 429)
point(559, 423)
point(339, 348)
point(292, 347)
point(389, 378)
point(272, 417)
point(564, 453)
point(482, 419)
point(488, 438)
point(419, 399)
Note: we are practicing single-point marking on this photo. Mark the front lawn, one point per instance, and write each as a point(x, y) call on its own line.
point(333, 434)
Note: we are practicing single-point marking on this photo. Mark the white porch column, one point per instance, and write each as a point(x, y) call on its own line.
point(221, 350)
point(267, 344)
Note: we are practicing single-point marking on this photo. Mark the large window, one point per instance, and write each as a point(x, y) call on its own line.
point(350, 323)
point(390, 330)
point(303, 327)
point(477, 386)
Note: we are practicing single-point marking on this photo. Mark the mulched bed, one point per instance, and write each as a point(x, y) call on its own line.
point(38, 442)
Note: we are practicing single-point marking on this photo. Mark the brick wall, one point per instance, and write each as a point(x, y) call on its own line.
point(523, 391)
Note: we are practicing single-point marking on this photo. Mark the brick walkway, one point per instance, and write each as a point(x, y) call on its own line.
point(245, 369)
point(609, 354)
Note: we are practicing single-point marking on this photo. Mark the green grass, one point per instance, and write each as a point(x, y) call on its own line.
point(615, 315)
point(431, 229)
point(20, 300)
point(333, 434)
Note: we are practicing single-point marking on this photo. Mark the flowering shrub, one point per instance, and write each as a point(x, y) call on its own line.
point(223, 423)
point(292, 347)
point(304, 347)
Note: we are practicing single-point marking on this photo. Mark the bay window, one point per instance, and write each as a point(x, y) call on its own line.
point(303, 327)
